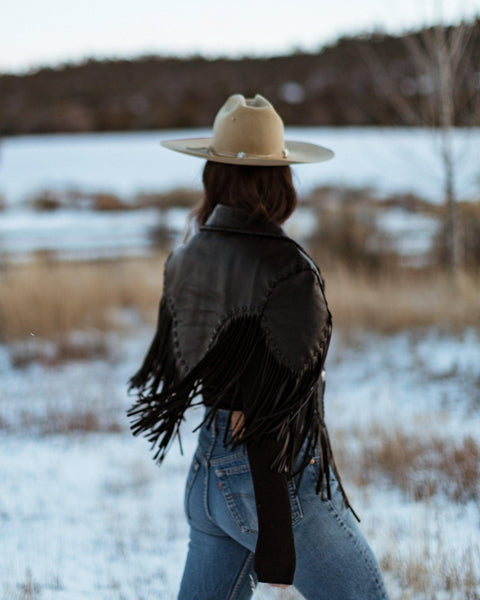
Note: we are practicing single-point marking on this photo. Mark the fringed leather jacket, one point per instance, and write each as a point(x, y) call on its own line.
point(243, 324)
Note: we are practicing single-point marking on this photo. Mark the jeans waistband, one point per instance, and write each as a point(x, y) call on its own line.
point(221, 419)
point(210, 438)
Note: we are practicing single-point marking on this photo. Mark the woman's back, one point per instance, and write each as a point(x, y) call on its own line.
point(244, 327)
point(239, 295)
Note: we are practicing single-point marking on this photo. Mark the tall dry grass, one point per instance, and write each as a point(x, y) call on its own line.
point(48, 299)
point(420, 466)
point(429, 571)
point(400, 299)
point(52, 298)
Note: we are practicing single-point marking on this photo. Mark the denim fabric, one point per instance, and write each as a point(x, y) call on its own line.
point(333, 559)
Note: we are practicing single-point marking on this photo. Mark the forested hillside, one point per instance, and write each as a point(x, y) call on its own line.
point(355, 81)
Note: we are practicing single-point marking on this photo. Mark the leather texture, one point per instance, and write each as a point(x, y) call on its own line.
point(234, 266)
point(243, 316)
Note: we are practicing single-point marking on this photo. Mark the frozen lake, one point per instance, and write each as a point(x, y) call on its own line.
point(389, 159)
point(386, 159)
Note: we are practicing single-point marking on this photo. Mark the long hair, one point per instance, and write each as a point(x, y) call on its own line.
point(262, 192)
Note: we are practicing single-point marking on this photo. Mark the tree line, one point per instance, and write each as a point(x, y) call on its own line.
point(360, 80)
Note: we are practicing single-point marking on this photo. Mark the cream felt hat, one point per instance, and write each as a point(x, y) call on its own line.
point(248, 131)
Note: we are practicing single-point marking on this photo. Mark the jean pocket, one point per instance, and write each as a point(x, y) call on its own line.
point(192, 475)
point(236, 485)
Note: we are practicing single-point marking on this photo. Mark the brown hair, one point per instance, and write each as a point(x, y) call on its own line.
point(264, 192)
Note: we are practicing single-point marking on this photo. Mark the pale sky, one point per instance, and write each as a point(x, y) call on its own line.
point(35, 33)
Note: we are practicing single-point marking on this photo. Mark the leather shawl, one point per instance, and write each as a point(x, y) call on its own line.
point(238, 285)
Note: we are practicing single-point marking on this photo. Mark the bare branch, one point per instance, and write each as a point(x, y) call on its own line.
point(386, 82)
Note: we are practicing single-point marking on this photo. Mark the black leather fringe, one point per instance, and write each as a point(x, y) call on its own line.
point(285, 403)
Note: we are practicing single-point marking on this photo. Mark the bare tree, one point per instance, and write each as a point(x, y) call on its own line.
point(440, 89)
point(442, 55)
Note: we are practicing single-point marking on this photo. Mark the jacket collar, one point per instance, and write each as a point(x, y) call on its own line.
point(228, 218)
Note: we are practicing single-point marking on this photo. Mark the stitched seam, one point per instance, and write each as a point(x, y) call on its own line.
point(170, 305)
point(201, 456)
point(233, 470)
point(190, 482)
point(295, 505)
point(352, 536)
point(207, 475)
point(291, 271)
point(231, 505)
point(225, 459)
point(243, 571)
point(371, 567)
point(280, 235)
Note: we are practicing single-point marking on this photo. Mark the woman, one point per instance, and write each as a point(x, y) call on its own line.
point(244, 328)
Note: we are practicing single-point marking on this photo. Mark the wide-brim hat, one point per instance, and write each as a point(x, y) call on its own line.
point(249, 131)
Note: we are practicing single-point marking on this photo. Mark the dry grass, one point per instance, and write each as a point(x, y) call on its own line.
point(401, 299)
point(420, 466)
point(49, 299)
point(63, 350)
point(175, 198)
point(80, 421)
point(431, 572)
point(56, 420)
point(50, 200)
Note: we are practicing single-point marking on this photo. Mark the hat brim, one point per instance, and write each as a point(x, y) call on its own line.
point(298, 153)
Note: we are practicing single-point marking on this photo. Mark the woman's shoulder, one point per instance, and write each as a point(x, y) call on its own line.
point(296, 318)
point(276, 255)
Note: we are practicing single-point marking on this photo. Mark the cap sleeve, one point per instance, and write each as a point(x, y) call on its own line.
point(296, 320)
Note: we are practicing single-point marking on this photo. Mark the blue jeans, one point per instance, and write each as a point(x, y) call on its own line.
point(333, 558)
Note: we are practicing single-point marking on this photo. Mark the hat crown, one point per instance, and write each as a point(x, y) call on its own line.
point(248, 131)
point(248, 127)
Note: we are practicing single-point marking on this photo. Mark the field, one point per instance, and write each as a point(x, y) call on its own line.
point(84, 511)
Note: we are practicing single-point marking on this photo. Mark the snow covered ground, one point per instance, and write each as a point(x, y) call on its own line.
point(89, 515)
